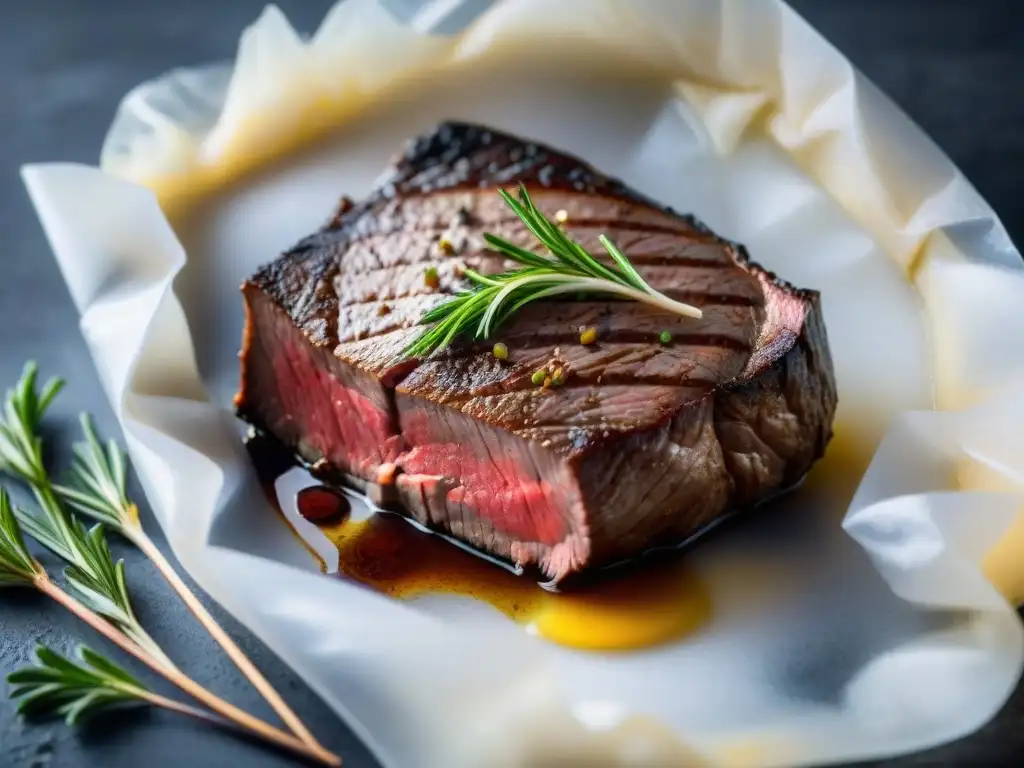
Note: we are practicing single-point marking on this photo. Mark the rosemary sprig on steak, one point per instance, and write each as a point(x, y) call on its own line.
point(569, 269)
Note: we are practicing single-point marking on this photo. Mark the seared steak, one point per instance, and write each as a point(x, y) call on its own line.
point(645, 444)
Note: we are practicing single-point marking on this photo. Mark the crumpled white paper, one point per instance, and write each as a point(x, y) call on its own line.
point(847, 625)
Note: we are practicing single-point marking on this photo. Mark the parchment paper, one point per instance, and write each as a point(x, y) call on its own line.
point(851, 620)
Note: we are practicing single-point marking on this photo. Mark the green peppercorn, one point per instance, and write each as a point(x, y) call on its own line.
point(430, 277)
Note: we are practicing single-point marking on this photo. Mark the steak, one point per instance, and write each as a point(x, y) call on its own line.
point(644, 445)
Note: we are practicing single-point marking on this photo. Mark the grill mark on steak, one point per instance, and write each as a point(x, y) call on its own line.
point(381, 302)
point(645, 444)
point(614, 321)
point(558, 337)
point(712, 299)
point(364, 256)
point(382, 215)
point(507, 224)
point(365, 231)
point(709, 284)
point(648, 335)
point(533, 403)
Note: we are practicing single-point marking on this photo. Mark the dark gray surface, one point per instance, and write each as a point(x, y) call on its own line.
point(954, 66)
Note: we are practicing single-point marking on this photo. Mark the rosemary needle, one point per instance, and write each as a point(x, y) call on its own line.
point(569, 270)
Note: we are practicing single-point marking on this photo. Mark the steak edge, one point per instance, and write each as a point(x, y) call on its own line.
point(644, 445)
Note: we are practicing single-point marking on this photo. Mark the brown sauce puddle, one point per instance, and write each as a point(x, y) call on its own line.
point(629, 608)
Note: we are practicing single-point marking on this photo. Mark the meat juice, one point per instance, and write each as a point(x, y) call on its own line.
point(639, 605)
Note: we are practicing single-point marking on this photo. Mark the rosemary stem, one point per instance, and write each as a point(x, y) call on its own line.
point(139, 537)
point(223, 708)
point(654, 298)
point(143, 639)
point(181, 708)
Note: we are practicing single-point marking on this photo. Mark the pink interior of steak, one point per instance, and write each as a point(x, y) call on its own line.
point(326, 411)
point(488, 477)
point(643, 444)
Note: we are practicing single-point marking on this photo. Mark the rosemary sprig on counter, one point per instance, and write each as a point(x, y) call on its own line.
point(569, 269)
point(98, 581)
point(19, 568)
point(56, 686)
point(99, 487)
